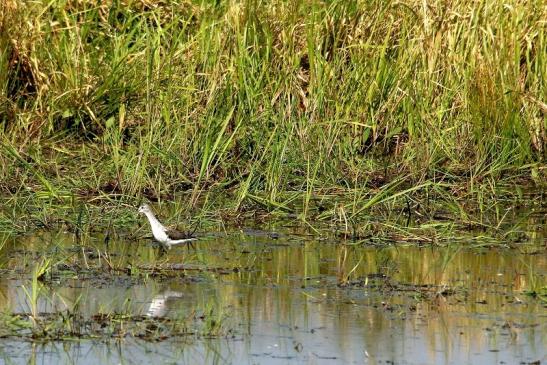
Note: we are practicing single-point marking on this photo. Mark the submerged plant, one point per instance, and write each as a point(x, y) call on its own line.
point(34, 292)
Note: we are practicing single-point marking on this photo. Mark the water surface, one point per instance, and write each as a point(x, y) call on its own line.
point(279, 299)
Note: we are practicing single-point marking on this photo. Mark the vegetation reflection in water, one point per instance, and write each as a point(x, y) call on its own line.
point(251, 295)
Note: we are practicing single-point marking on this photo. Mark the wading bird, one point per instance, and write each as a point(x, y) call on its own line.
point(166, 236)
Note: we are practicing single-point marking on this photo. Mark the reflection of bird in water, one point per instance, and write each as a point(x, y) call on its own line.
point(158, 305)
point(167, 237)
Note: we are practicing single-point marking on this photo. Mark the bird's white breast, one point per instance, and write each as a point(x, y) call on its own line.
point(159, 234)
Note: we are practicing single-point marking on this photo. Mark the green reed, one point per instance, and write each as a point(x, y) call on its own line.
point(271, 105)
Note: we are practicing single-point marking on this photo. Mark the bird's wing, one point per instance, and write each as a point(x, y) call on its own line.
point(177, 235)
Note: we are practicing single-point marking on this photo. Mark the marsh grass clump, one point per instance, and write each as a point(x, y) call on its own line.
point(269, 105)
point(71, 326)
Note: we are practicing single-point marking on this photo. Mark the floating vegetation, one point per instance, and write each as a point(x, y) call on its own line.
point(70, 326)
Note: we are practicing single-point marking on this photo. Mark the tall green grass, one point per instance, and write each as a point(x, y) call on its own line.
point(276, 102)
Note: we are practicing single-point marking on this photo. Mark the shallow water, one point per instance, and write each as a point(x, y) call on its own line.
point(284, 299)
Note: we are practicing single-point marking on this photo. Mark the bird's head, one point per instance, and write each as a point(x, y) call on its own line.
point(145, 208)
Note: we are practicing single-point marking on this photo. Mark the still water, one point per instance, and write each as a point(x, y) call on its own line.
point(282, 299)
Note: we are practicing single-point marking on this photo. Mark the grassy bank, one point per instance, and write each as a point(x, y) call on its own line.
point(318, 110)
